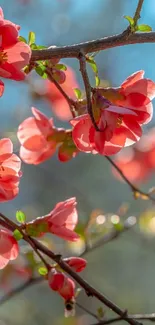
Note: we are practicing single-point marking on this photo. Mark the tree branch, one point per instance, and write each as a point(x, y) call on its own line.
point(137, 12)
point(87, 85)
point(72, 51)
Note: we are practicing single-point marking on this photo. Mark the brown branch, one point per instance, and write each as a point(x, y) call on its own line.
point(69, 100)
point(87, 85)
point(136, 17)
point(137, 12)
point(136, 191)
point(72, 51)
point(90, 290)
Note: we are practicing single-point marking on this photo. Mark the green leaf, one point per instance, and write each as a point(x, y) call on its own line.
point(20, 216)
point(40, 47)
point(40, 69)
point(61, 67)
point(42, 270)
point(33, 46)
point(78, 93)
point(31, 38)
point(22, 39)
point(93, 65)
point(17, 234)
point(97, 81)
point(130, 20)
point(144, 28)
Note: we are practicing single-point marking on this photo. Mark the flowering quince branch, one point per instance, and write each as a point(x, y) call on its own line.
point(36, 280)
point(103, 123)
point(64, 266)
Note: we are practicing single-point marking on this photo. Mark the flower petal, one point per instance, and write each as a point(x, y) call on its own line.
point(132, 79)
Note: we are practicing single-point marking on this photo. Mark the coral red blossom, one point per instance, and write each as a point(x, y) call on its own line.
point(10, 174)
point(14, 54)
point(9, 248)
point(61, 221)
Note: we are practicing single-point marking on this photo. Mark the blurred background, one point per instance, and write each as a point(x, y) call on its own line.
point(123, 269)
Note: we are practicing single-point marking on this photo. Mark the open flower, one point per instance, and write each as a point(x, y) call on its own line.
point(14, 55)
point(136, 92)
point(9, 248)
point(10, 165)
point(118, 128)
point(33, 134)
point(58, 103)
point(61, 221)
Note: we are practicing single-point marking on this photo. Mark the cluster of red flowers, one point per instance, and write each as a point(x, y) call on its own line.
point(119, 114)
point(138, 162)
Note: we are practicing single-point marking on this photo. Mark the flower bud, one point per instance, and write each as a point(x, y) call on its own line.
point(62, 284)
point(78, 264)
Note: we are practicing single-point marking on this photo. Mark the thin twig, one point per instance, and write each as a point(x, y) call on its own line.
point(90, 290)
point(87, 85)
point(137, 12)
point(136, 17)
point(70, 101)
point(134, 189)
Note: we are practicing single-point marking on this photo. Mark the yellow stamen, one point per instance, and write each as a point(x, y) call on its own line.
point(119, 122)
point(3, 57)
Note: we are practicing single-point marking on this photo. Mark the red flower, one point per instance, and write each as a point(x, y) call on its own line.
point(14, 55)
point(9, 171)
point(118, 125)
point(136, 93)
point(58, 103)
point(61, 221)
point(78, 264)
point(62, 284)
point(32, 134)
point(9, 248)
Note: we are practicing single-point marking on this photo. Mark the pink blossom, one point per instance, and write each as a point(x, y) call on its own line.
point(9, 248)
